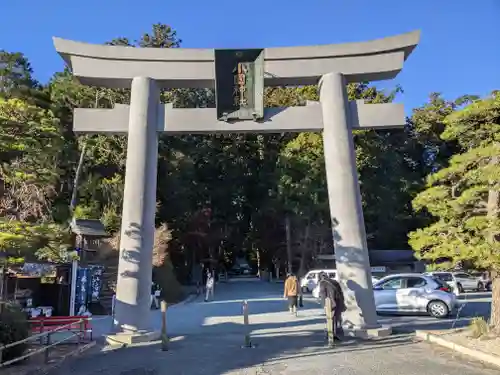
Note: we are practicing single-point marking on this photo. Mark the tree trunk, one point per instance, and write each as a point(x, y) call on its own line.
point(495, 303)
point(258, 263)
point(304, 251)
point(2, 281)
point(74, 193)
point(288, 243)
point(493, 207)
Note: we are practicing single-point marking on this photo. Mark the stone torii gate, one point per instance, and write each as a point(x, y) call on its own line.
point(239, 109)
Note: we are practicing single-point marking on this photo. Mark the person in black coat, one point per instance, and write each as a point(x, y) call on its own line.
point(332, 289)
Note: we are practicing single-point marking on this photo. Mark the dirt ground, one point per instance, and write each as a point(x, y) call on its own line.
point(36, 363)
point(490, 345)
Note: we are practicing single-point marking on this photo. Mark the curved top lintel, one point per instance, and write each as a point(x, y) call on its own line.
point(406, 42)
point(140, 61)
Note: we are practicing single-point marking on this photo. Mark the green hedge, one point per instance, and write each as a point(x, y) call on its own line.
point(14, 326)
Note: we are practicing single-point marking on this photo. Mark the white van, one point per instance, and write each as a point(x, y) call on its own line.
point(311, 279)
point(331, 274)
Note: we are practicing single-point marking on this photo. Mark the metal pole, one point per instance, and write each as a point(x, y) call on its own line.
point(113, 304)
point(49, 342)
point(248, 343)
point(72, 298)
point(82, 334)
point(329, 321)
point(289, 252)
point(164, 336)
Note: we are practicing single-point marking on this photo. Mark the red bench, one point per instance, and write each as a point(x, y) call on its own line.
point(75, 324)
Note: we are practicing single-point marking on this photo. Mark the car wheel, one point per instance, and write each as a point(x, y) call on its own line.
point(480, 287)
point(438, 309)
point(460, 288)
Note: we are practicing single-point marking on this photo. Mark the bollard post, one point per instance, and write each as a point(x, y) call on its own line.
point(42, 329)
point(113, 307)
point(329, 321)
point(82, 334)
point(164, 336)
point(248, 343)
point(48, 348)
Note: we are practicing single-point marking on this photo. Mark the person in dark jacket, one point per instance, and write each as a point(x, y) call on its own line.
point(332, 289)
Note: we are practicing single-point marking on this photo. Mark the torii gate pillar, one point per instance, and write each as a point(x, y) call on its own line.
point(133, 295)
point(348, 226)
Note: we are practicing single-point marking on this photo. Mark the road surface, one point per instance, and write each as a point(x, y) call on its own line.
point(207, 338)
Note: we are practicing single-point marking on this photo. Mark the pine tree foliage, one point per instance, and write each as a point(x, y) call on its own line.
point(463, 197)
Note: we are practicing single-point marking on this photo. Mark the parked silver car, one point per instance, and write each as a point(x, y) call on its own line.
point(460, 282)
point(414, 293)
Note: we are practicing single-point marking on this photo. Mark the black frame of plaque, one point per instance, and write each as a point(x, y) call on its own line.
point(229, 65)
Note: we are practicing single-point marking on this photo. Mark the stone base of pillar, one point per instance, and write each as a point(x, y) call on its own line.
point(366, 333)
point(125, 338)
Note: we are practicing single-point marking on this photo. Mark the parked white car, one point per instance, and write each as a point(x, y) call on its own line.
point(460, 282)
point(310, 280)
point(414, 293)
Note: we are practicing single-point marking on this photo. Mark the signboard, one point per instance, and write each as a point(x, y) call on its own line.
point(239, 84)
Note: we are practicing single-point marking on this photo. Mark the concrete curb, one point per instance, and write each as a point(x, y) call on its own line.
point(476, 354)
point(53, 366)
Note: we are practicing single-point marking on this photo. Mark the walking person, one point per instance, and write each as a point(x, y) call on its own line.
point(210, 285)
point(291, 293)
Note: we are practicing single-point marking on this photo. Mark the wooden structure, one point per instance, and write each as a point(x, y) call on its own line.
point(88, 235)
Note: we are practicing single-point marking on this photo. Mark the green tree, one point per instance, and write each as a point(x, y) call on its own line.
point(30, 144)
point(30, 148)
point(464, 196)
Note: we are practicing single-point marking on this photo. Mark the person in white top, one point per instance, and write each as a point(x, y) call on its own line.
point(155, 295)
point(209, 286)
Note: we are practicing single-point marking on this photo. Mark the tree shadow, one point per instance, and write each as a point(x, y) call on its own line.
point(133, 255)
point(351, 262)
point(212, 347)
point(409, 324)
point(219, 354)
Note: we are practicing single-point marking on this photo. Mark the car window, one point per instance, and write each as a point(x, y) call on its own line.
point(396, 283)
point(443, 276)
point(415, 282)
point(462, 275)
point(439, 282)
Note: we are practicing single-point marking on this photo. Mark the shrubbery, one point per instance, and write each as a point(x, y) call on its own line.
point(14, 327)
point(164, 276)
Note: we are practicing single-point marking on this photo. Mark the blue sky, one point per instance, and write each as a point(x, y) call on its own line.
point(458, 53)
